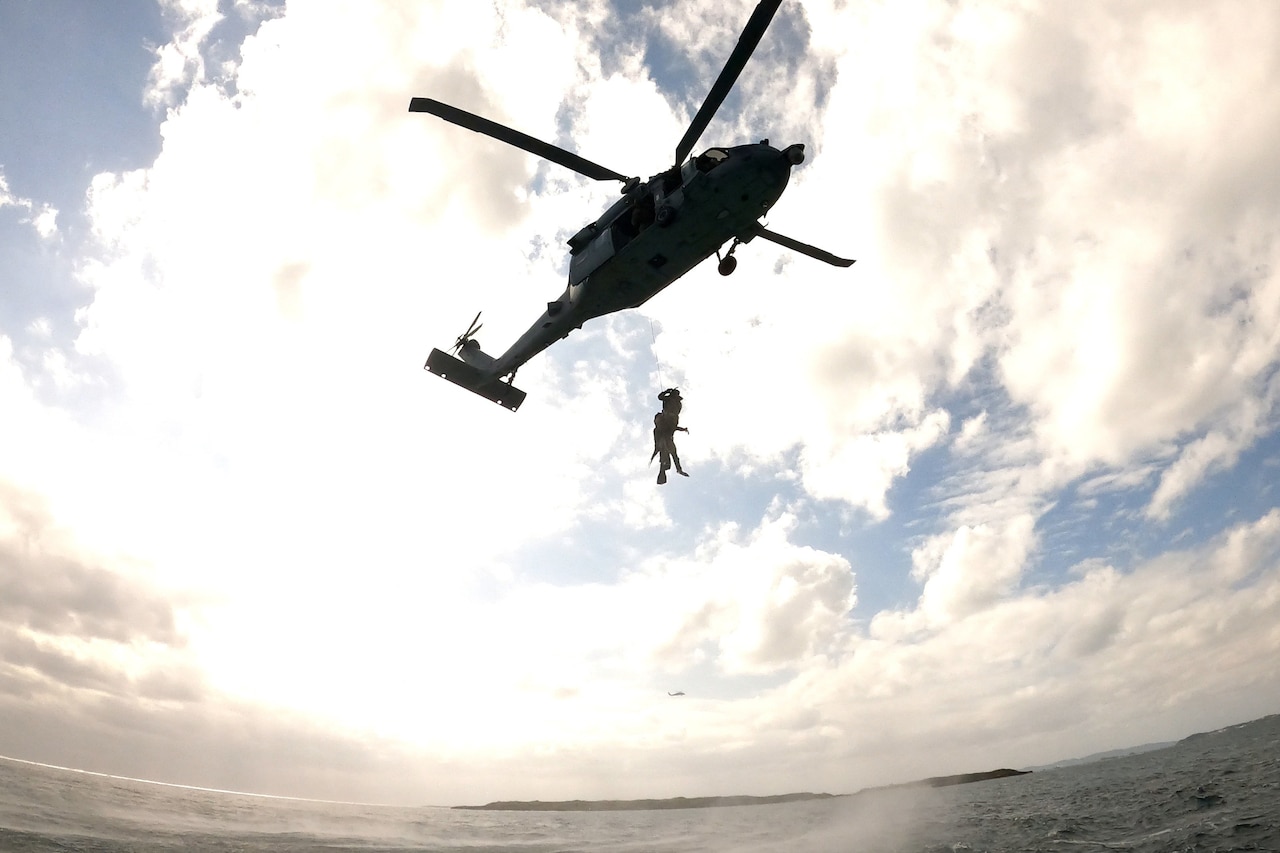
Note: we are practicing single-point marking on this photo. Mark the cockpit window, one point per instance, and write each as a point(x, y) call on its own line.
point(711, 158)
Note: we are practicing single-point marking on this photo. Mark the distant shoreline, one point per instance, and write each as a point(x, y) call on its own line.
point(716, 802)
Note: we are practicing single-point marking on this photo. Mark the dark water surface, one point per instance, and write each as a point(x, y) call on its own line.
point(1210, 793)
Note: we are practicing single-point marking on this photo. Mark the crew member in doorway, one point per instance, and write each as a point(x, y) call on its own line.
point(665, 425)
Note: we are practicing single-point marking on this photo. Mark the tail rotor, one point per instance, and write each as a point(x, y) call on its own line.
point(466, 337)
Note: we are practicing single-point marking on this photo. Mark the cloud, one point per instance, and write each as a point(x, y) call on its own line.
point(971, 569)
point(761, 601)
point(864, 467)
point(180, 63)
point(1024, 214)
point(1218, 449)
point(221, 747)
point(42, 217)
point(253, 522)
point(50, 589)
point(74, 629)
point(1136, 314)
point(1119, 653)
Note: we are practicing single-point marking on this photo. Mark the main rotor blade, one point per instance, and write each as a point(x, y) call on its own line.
point(751, 35)
point(502, 133)
point(803, 248)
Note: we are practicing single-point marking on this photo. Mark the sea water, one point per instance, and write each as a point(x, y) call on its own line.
point(1215, 792)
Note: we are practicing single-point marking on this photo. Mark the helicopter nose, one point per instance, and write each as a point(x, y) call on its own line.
point(794, 154)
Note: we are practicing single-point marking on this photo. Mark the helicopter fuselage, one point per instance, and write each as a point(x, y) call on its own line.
point(658, 231)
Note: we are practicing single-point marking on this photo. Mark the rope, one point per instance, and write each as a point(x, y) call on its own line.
point(654, 349)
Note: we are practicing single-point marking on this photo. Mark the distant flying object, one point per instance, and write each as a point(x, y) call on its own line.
point(658, 231)
point(677, 693)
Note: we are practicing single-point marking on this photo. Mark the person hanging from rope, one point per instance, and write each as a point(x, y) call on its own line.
point(665, 426)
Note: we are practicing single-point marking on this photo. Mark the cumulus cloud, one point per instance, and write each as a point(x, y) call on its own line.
point(73, 627)
point(863, 468)
point(180, 62)
point(1136, 311)
point(51, 591)
point(1117, 652)
point(760, 601)
point(971, 568)
point(1216, 450)
point(41, 216)
point(1025, 216)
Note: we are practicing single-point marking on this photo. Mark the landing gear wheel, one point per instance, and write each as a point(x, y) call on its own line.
point(728, 263)
point(666, 215)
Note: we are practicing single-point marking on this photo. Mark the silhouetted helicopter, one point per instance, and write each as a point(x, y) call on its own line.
point(659, 230)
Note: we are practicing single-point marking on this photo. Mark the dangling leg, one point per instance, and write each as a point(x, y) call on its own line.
point(665, 446)
point(661, 445)
point(676, 457)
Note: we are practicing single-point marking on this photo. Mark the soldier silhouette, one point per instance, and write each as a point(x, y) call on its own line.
point(665, 425)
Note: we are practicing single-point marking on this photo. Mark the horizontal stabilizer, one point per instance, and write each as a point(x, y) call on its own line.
point(462, 374)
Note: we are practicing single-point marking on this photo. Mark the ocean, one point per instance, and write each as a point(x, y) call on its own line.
point(1209, 793)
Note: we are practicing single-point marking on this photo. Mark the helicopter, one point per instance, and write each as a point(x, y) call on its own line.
point(656, 232)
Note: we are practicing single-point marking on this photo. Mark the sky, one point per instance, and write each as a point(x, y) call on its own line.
point(1002, 493)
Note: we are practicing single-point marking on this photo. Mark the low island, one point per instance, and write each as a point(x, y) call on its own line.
point(714, 802)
